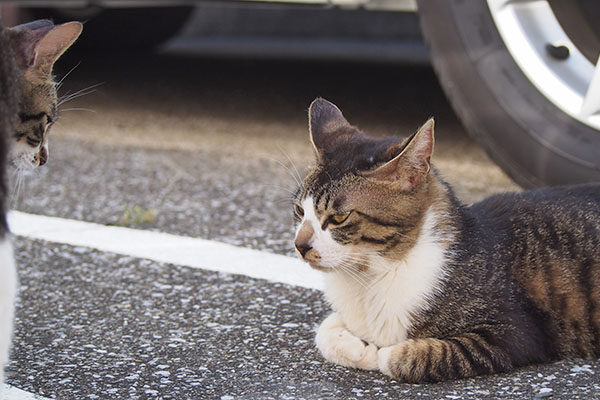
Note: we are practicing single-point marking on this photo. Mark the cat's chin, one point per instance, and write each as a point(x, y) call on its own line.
point(321, 268)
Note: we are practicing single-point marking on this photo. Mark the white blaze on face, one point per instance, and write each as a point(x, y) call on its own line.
point(332, 253)
point(22, 156)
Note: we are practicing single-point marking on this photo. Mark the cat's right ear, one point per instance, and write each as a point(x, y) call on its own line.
point(324, 121)
point(412, 164)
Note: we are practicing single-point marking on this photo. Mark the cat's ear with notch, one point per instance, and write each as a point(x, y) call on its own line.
point(413, 163)
point(40, 44)
point(324, 121)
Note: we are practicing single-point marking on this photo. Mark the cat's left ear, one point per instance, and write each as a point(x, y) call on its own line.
point(412, 164)
point(25, 37)
point(50, 47)
point(325, 123)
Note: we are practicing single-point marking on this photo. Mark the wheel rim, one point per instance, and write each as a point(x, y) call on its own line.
point(548, 58)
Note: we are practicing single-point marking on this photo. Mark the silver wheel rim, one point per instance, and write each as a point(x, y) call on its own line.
point(527, 27)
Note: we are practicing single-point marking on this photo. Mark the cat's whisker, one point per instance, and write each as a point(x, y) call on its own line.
point(19, 177)
point(298, 176)
point(77, 109)
point(367, 260)
point(79, 93)
point(60, 82)
point(74, 96)
point(348, 270)
point(289, 171)
point(355, 264)
point(272, 185)
point(282, 200)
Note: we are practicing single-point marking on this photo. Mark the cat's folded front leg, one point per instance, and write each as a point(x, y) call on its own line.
point(338, 345)
point(434, 360)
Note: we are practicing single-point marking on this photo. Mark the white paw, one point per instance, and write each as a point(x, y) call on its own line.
point(340, 346)
point(383, 359)
point(369, 358)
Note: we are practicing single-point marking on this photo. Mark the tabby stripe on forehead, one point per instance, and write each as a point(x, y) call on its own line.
point(318, 197)
point(28, 117)
point(327, 200)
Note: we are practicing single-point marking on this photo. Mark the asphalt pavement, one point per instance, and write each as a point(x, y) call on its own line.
point(211, 149)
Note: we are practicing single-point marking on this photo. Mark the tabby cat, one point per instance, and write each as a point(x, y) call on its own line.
point(426, 289)
point(36, 46)
point(28, 106)
point(9, 95)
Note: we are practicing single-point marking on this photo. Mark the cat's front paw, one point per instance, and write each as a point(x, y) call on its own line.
point(384, 356)
point(338, 345)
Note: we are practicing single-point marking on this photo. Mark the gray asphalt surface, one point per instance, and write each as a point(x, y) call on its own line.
point(211, 147)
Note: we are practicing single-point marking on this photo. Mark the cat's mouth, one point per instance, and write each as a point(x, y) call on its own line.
point(24, 158)
point(22, 163)
point(319, 267)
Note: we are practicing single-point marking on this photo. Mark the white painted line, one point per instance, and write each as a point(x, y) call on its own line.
point(167, 248)
point(12, 393)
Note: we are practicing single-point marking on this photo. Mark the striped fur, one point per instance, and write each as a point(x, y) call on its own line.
point(36, 46)
point(426, 289)
point(27, 109)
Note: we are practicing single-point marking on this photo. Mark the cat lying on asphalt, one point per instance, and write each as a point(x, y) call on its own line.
point(425, 288)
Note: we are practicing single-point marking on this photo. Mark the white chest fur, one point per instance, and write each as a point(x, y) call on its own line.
point(380, 310)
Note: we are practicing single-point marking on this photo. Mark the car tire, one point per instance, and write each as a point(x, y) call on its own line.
point(527, 135)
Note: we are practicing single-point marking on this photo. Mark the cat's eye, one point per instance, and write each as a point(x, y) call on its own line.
point(338, 219)
point(299, 211)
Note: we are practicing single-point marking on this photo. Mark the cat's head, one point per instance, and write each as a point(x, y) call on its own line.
point(365, 197)
point(36, 47)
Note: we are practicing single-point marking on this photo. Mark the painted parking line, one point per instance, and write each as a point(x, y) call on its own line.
point(12, 393)
point(167, 248)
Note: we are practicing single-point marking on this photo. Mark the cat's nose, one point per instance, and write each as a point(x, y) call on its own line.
point(303, 248)
point(43, 156)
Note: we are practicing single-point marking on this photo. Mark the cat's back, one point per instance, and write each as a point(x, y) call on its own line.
point(559, 208)
point(547, 243)
point(531, 230)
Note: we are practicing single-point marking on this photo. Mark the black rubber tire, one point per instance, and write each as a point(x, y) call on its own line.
point(527, 136)
point(122, 29)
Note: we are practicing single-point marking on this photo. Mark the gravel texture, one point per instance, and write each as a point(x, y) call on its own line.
point(104, 326)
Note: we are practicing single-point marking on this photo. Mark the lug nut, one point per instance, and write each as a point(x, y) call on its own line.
point(558, 52)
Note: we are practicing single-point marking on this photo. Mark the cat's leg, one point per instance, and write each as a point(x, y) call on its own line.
point(8, 284)
point(338, 345)
point(434, 360)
